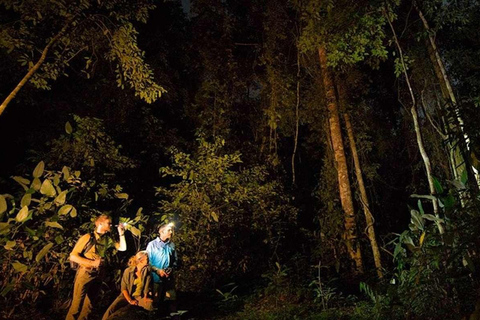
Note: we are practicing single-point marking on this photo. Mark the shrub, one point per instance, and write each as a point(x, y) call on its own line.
point(230, 218)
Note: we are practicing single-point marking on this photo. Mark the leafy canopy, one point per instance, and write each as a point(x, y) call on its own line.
point(96, 30)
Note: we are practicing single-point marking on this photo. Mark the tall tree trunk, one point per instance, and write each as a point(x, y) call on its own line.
point(459, 151)
point(363, 196)
point(413, 111)
point(351, 239)
point(297, 118)
point(32, 71)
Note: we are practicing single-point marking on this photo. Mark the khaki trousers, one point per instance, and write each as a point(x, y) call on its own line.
point(121, 305)
point(85, 291)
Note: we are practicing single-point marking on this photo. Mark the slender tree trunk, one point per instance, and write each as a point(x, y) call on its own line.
point(351, 239)
point(297, 118)
point(31, 72)
point(413, 111)
point(363, 196)
point(442, 75)
point(459, 154)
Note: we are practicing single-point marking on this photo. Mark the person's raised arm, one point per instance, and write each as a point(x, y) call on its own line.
point(122, 245)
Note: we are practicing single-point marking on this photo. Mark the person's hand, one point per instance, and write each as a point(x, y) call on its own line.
point(121, 229)
point(95, 263)
point(133, 302)
point(162, 273)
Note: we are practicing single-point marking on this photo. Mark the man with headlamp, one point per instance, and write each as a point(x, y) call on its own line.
point(163, 261)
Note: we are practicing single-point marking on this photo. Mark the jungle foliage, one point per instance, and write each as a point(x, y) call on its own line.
point(232, 141)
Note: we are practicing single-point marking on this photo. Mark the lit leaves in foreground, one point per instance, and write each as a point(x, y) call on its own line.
point(39, 226)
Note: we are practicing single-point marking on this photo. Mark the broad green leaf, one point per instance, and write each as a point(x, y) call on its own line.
point(68, 128)
point(3, 204)
point(438, 187)
point(26, 200)
point(31, 232)
point(412, 247)
point(416, 220)
point(122, 196)
point(10, 245)
point(449, 201)
point(22, 215)
point(47, 188)
point(440, 203)
point(66, 173)
point(59, 239)
point(56, 180)
point(38, 172)
point(60, 199)
point(36, 184)
point(19, 267)
point(431, 217)
point(22, 181)
point(73, 213)
point(420, 207)
point(44, 251)
point(136, 232)
point(65, 209)
point(77, 173)
point(53, 224)
point(423, 196)
point(4, 228)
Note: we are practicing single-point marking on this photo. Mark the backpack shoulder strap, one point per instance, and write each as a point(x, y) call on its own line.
point(91, 242)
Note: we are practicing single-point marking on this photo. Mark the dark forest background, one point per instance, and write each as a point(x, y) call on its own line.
point(319, 158)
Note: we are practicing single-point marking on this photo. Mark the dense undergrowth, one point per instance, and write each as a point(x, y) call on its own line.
point(432, 272)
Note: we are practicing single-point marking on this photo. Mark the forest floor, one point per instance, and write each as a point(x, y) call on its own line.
point(281, 303)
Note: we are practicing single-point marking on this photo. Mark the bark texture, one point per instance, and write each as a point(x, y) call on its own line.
point(370, 229)
point(351, 239)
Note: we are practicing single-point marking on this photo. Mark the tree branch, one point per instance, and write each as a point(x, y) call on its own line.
point(32, 71)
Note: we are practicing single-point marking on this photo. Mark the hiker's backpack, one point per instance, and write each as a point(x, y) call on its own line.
point(88, 246)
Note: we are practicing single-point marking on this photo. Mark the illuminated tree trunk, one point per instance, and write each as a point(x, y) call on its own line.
point(351, 239)
point(363, 197)
point(416, 125)
point(458, 151)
